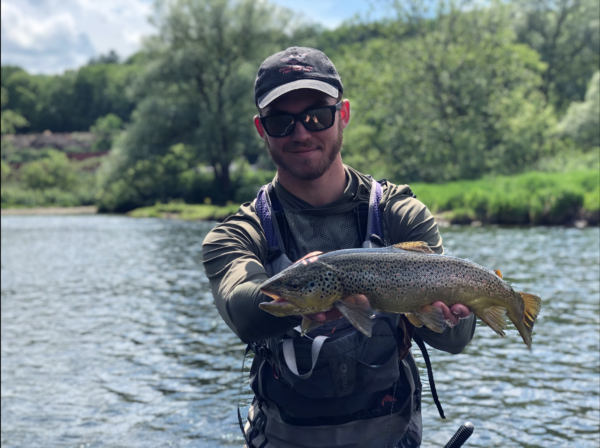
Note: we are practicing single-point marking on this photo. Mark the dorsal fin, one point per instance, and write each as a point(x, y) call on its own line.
point(498, 273)
point(415, 246)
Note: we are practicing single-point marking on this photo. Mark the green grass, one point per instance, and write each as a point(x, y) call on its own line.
point(531, 198)
point(17, 196)
point(189, 212)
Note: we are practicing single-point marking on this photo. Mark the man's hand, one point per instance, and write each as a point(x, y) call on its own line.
point(454, 313)
point(332, 314)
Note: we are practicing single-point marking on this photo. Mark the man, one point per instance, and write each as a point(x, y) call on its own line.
point(316, 203)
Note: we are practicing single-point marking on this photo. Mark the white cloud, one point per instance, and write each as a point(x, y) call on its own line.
point(50, 36)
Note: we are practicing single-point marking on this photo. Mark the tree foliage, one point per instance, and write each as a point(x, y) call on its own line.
point(451, 89)
point(10, 120)
point(566, 34)
point(54, 171)
point(198, 89)
point(105, 128)
point(458, 98)
point(582, 120)
point(72, 101)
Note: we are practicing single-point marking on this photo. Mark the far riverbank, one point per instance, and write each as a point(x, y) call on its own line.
point(534, 198)
point(83, 210)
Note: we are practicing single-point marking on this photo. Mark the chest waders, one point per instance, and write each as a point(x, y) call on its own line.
point(334, 387)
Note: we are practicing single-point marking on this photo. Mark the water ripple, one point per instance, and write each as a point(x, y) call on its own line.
point(110, 338)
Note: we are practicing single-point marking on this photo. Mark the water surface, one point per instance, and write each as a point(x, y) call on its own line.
point(110, 338)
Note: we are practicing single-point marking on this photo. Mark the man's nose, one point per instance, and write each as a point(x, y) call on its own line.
point(300, 133)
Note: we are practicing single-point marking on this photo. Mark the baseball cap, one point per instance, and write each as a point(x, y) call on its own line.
point(292, 69)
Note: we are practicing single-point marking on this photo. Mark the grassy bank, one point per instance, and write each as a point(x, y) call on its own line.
point(185, 211)
point(43, 211)
point(532, 198)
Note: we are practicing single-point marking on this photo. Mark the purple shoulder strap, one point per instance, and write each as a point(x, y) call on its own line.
point(266, 220)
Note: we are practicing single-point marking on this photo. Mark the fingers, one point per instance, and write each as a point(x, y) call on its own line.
point(325, 317)
point(460, 310)
point(454, 313)
point(308, 257)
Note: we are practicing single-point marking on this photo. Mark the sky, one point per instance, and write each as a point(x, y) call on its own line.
point(51, 36)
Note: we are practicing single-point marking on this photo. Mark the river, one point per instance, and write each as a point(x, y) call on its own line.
point(110, 338)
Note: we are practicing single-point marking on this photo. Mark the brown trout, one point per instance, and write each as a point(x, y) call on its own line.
point(406, 278)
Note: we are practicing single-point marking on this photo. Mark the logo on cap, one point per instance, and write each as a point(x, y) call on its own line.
point(294, 59)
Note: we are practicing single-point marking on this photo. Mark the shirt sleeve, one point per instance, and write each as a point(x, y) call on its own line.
point(408, 219)
point(232, 254)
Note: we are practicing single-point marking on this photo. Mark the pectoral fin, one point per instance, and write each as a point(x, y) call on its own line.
point(358, 311)
point(309, 325)
point(413, 320)
point(432, 317)
point(415, 246)
point(495, 318)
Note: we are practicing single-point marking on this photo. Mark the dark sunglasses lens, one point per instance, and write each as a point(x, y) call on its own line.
point(318, 119)
point(279, 125)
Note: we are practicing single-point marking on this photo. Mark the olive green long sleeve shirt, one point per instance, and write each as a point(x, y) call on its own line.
point(235, 252)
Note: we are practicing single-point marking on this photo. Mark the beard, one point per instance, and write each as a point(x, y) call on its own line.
point(307, 169)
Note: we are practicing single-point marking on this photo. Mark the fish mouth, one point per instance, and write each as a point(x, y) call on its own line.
point(280, 301)
point(277, 300)
point(274, 295)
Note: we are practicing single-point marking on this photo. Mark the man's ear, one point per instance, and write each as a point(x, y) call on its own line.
point(345, 113)
point(259, 127)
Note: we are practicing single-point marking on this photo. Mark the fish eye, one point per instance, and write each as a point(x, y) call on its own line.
point(293, 285)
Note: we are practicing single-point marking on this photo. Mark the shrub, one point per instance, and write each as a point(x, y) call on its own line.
point(532, 198)
point(55, 171)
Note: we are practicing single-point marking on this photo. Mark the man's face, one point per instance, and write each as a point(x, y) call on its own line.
point(303, 154)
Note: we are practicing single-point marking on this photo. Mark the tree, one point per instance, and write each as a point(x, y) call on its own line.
point(55, 171)
point(10, 119)
point(582, 120)
point(110, 58)
point(566, 34)
point(72, 101)
point(19, 95)
point(105, 128)
point(198, 88)
point(453, 96)
point(5, 170)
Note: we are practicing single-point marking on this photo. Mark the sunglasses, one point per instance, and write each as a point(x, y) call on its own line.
point(314, 120)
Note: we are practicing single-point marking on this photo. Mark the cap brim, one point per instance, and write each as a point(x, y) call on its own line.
point(314, 84)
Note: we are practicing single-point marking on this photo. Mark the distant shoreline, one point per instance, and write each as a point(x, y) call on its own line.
point(198, 212)
point(82, 210)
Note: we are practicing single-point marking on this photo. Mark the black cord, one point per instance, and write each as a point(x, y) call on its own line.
point(421, 345)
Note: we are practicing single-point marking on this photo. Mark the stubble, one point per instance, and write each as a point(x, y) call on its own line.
point(307, 169)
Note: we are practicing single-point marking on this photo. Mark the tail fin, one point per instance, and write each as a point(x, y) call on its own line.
point(533, 304)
